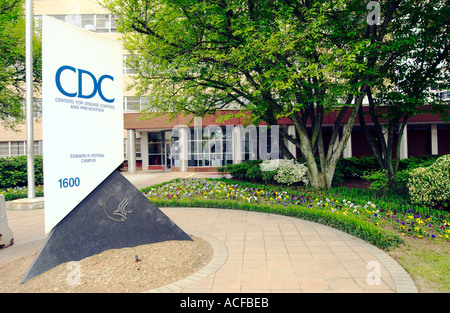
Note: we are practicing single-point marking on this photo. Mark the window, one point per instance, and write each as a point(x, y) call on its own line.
point(127, 70)
point(17, 148)
point(4, 148)
point(210, 147)
point(137, 147)
point(100, 23)
point(131, 103)
point(37, 107)
point(444, 95)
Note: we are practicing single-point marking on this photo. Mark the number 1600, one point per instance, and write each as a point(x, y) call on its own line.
point(69, 182)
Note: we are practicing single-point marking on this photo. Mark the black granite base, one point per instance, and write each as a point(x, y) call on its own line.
point(115, 215)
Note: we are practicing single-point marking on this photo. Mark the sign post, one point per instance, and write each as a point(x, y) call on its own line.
point(29, 96)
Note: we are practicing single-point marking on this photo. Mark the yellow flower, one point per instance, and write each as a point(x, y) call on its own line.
point(416, 229)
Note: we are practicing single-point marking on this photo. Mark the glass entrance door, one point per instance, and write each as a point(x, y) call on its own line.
point(168, 156)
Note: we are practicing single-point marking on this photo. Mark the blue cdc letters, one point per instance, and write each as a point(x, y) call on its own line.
point(97, 84)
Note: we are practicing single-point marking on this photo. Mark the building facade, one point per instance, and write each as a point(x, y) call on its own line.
point(157, 143)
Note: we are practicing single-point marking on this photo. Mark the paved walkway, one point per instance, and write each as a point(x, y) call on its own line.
point(254, 252)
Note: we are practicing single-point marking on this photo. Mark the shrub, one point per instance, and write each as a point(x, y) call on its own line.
point(290, 172)
point(246, 171)
point(429, 185)
point(13, 171)
point(379, 182)
point(284, 171)
point(356, 167)
point(253, 171)
point(415, 162)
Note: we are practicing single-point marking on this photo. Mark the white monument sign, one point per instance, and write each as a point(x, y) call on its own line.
point(82, 114)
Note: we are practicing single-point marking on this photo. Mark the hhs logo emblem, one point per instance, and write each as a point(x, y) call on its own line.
point(116, 208)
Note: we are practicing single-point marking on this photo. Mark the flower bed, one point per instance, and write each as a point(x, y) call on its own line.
point(363, 216)
point(433, 225)
point(20, 192)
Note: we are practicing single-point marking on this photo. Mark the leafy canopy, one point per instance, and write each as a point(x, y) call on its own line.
point(12, 61)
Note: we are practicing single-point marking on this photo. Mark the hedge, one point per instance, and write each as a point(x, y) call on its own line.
point(13, 171)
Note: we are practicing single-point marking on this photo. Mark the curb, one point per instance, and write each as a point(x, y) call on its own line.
point(219, 258)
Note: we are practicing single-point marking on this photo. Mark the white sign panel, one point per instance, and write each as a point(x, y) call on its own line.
point(82, 114)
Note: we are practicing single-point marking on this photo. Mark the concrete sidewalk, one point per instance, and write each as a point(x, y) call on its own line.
point(254, 252)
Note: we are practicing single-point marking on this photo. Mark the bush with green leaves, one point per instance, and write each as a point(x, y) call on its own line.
point(379, 182)
point(429, 186)
point(13, 171)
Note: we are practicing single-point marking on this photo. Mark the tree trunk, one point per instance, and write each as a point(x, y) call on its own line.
point(323, 177)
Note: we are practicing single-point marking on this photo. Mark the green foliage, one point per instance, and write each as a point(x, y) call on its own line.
point(13, 171)
point(429, 186)
point(379, 182)
point(20, 192)
point(356, 167)
point(12, 61)
point(247, 171)
point(283, 59)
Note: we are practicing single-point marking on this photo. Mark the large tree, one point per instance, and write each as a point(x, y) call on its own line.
point(12, 61)
point(285, 58)
point(407, 77)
